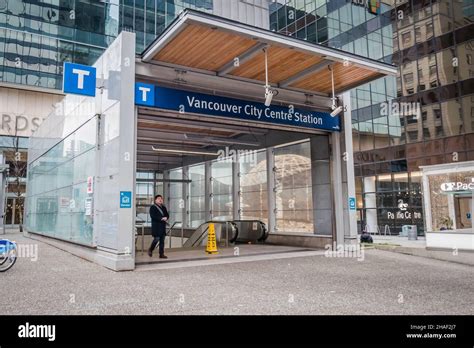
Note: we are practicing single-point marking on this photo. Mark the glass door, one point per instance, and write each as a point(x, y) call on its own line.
point(463, 209)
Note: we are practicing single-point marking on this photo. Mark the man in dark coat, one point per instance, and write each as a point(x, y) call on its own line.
point(159, 217)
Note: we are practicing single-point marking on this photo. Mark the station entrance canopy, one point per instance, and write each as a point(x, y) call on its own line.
point(224, 48)
point(218, 64)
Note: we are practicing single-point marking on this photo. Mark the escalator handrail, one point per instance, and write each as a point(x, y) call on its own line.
point(172, 226)
point(200, 238)
point(236, 229)
point(265, 231)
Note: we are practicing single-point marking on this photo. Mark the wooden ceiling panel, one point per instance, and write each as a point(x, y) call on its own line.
point(201, 47)
point(344, 76)
point(282, 64)
point(209, 48)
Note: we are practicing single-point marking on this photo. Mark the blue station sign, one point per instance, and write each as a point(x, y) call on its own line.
point(79, 79)
point(199, 103)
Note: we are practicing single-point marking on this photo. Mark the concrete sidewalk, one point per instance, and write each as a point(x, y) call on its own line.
point(418, 248)
point(401, 241)
point(382, 283)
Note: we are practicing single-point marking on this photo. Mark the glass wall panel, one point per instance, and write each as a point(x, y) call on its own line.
point(253, 186)
point(176, 205)
point(144, 195)
point(197, 196)
point(57, 187)
point(221, 189)
point(293, 188)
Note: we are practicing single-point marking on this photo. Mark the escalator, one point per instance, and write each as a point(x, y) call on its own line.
point(226, 232)
point(229, 232)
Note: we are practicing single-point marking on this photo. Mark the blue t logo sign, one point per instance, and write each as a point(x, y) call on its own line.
point(79, 79)
point(144, 94)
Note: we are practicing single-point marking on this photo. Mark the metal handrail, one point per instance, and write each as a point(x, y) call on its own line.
point(202, 234)
point(172, 226)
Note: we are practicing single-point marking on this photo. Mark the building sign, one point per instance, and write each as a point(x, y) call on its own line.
point(402, 205)
point(23, 111)
point(88, 206)
point(79, 79)
point(125, 199)
point(18, 125)
point(457, 186)
point(64, 202)
point(373, 6)
point(352, 203)
point(90, 184)
point(403, 213)
point(205, 104)
point(144, 94)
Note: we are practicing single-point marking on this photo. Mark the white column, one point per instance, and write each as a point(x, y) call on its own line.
point(427, 204)
point(351, 229)
point(337, 187)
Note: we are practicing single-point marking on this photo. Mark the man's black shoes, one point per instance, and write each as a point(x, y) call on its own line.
point(150, 253)
point(163, 256)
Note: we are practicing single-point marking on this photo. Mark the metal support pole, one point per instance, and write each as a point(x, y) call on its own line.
point(143, 239)
point(170, 236)
point(227, 234)
point(207, 190)
point(185, 193)
point(266, 68)
point(271, 190)
point(236, 188)
point(5, 201)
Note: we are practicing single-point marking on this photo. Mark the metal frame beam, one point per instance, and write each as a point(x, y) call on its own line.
point(244, 57)
point(228, 86)
point(302, 74)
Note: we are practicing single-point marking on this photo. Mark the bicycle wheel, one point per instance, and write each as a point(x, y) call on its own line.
point(8, 255)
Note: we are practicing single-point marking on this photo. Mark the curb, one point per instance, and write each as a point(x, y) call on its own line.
point(465, 258)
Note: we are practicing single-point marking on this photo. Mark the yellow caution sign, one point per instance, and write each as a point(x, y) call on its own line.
point(211, 247)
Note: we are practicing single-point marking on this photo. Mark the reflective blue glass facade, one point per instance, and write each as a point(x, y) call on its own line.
point(432, 43)
point(36, 37)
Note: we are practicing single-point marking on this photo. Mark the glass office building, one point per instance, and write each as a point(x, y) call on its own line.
point(37, 37)
point(423, 117)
